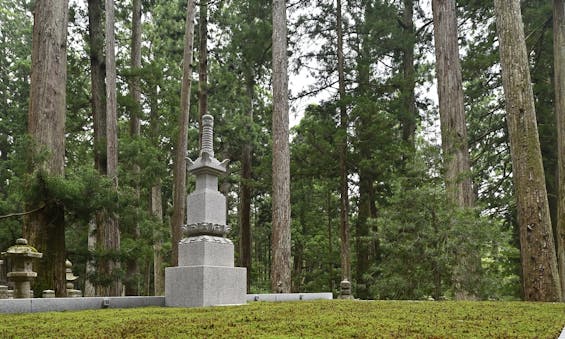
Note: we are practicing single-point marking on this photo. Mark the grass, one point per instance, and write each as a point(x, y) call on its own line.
point(322, 319)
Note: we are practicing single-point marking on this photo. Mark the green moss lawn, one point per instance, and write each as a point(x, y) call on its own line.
point(323, 319)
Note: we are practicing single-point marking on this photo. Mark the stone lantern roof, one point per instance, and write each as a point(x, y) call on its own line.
point(21, 248)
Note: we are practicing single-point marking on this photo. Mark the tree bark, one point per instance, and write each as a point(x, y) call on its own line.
point(108, 233)
point(156, 206)
point(45, 229)
point(157, 212)
point(342, 146)
point(409, 114)
point(179, 170)
point(245, 196)
point(280, 240)
point(97, 78)
point(330, 241)
point(454, 135)
point(540, 276)
point(98, 106)
point(451, 107)
point(559, 71)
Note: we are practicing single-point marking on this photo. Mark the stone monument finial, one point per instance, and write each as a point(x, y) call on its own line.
point(207, 135)
point(206, 162)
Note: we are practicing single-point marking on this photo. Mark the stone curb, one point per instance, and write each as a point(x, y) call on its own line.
point(34, 305)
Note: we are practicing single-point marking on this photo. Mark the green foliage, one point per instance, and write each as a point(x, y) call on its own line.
point(327, 319)
point(410, 238)
point(421, 237)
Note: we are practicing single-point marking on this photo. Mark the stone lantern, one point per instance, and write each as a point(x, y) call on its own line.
point(21, 256)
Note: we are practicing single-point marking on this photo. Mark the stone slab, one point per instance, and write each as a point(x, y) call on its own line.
point(204, 253)
point(65, 304)
point(196, 286)
point(129, 302)
point(15, 305)
point(76, 304)
point(289, 296)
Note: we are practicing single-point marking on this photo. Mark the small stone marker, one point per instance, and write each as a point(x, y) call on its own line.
point(70, 277)
point(345, 290)
point(48, 294)
point(21, 256)
point(206, 275)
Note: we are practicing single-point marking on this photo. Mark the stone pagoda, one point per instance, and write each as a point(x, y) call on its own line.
point(206, 275)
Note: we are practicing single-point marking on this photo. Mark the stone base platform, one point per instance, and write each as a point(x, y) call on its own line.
point(194, 286)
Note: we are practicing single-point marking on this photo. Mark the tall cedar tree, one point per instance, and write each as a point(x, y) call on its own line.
point(45, 228)
point(367, 248)
point(454, 133)
point(540, 278)
point(108, 232)
point(98, 107)
point(409, 114)
point(559, 67)
point(280, 268)
point(245, 192)
point(156, 201)
point(179, 170)
point(135, 132)
point(344, 186)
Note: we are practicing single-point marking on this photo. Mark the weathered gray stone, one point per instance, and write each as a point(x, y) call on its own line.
point(48, 294)
point(289, 296)
point(206, 206)
point(345, 290)
point(205, 252)
point(21, 255)
point(15, 305)
point(195, 286)
point(205, 276)
point(76, 304)
point(70, 277)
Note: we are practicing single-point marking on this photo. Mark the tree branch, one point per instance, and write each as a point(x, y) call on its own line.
point(22, 213)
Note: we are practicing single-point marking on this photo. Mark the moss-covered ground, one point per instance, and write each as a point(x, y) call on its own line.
point(323, 319)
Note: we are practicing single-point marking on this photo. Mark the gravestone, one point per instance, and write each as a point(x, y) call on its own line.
point(206, 275)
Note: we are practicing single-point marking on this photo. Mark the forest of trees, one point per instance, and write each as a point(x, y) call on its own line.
point(427, 163)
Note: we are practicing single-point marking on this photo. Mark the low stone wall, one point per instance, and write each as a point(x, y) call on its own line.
point(32, 305)
point(289, 296)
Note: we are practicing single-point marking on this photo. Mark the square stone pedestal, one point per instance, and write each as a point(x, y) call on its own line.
point(206, 275)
